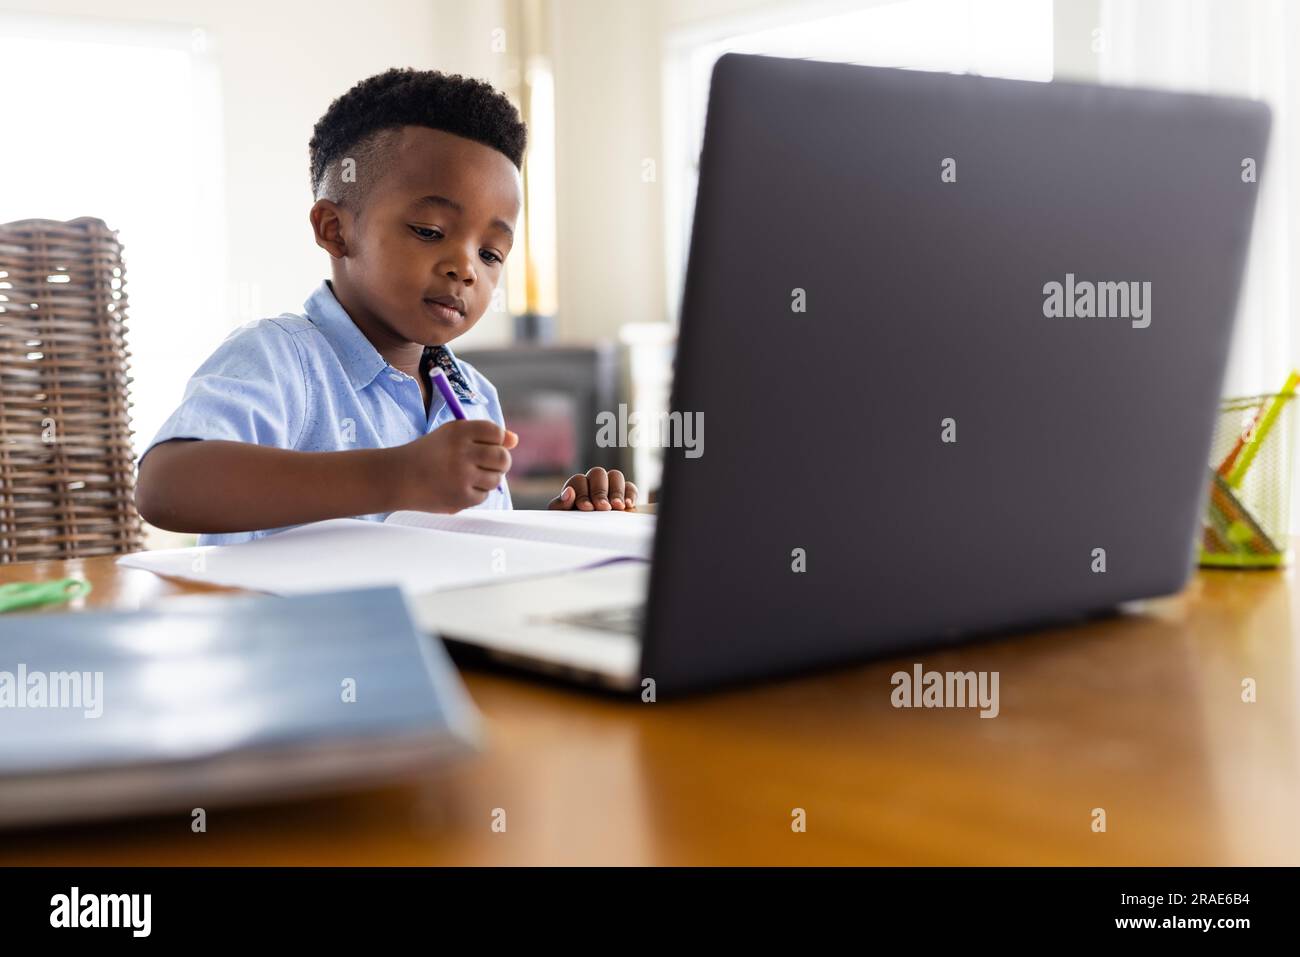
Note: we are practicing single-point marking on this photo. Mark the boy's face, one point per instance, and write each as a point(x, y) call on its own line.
point(440, 223)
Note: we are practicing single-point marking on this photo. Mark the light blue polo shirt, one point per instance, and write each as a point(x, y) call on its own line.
point(314, 383)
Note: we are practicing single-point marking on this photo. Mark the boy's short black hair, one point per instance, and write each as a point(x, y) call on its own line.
point(355, 123)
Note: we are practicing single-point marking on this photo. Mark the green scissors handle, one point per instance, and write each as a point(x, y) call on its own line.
point(32, 594)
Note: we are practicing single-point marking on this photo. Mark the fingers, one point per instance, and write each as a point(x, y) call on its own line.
point(616, 490)
point(488, 451)
point(596, 491)
point(486, 431)
point(564, 500)
point(492, 457)
point(485, 480)
point(620, 494)
point(598, 488)
point(482, 430)
point(605, 489)
point(486, 467)
point(581, 497)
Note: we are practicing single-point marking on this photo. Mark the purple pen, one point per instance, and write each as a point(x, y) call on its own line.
point(444, 386)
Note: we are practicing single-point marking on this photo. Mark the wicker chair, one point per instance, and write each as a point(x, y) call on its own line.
point(66, 463)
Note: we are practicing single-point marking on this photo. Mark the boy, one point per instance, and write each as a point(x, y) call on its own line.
point(328, 414)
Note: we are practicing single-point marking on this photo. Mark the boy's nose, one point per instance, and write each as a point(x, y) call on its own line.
point(460, 270)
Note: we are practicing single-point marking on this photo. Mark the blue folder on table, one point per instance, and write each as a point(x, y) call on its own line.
point(204, 701)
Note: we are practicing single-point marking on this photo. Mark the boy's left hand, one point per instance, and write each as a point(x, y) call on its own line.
point(597, 491)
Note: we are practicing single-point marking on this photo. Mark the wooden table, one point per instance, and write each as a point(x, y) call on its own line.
point(1141, 715)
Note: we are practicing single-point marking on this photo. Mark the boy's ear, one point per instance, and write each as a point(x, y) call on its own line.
point(331, 223)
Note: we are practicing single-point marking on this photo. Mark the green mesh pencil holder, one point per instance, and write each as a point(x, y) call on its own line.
point(1248, 512)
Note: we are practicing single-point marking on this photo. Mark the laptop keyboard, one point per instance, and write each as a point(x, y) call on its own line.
point(621, 619)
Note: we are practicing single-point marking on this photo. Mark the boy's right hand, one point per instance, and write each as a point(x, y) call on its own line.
point(453, 467)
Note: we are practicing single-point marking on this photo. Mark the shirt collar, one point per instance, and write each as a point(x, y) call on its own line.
point(360, 358)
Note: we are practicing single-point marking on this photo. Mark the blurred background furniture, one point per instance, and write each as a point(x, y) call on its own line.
point(66, 463)
point(551, 395)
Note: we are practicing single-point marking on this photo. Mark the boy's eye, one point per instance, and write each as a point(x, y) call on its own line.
point(429, 233)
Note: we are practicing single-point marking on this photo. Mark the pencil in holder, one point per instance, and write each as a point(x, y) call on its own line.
point(1248, 512)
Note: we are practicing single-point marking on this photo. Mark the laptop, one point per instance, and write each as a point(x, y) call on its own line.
point(958, 343)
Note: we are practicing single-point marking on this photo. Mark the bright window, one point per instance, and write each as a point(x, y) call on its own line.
point(122, 123)
point(1005, 38)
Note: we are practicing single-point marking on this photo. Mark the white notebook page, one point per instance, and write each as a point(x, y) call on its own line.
point(627, 534)
point(351, 553)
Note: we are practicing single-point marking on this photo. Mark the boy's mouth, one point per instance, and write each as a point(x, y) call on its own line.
point(446, 308)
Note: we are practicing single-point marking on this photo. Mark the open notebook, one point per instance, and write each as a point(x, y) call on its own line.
point(418, 551)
